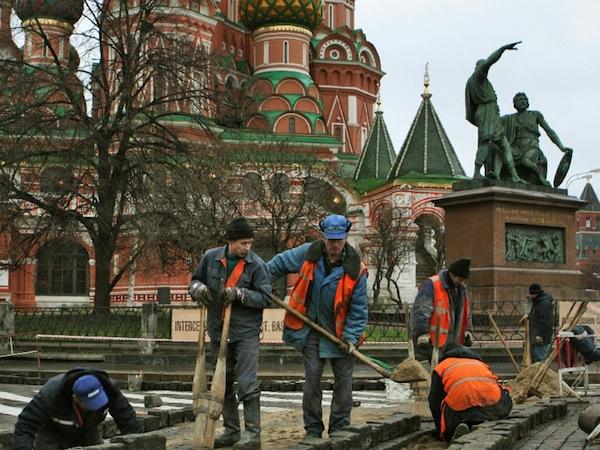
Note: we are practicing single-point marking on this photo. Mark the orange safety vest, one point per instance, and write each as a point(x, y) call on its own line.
point(441, 314)
point(235, 275)
point(467, 383)
point(341, 302)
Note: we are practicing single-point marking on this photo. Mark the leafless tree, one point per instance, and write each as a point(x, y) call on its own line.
point(389, 248)
point(86, 142)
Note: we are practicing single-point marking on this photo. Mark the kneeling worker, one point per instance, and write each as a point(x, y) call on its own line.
point(68, 410)
point(465, 392)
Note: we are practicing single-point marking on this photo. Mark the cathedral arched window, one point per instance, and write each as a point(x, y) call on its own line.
point(588, 222)
point(292, 125)
point(330, 16)
point(266, 52)
point(286, 52)
point(232, 10)
point(62, 269)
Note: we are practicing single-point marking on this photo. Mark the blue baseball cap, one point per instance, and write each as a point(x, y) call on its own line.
point(335, 227)
point(90, 393)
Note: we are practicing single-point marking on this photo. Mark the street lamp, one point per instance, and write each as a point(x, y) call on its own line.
point(578, 176)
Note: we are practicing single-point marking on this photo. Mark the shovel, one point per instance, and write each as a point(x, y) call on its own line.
point(358, 355)
point(210, 404)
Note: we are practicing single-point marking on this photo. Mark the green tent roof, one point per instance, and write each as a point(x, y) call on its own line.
point(378, 153)
point(427, 149)
point(589, 195)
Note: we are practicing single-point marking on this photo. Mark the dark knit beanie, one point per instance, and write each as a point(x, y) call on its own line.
point(238, 228)
point(535, 289)
point(460, 267)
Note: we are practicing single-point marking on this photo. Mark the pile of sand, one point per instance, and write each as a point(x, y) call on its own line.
point(410, 370)
point(548, 386)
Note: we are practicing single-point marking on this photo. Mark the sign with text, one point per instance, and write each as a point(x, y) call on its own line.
point(591, 317)
point(185, 323)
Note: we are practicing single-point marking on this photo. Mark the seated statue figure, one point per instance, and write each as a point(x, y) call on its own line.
point(522, 132)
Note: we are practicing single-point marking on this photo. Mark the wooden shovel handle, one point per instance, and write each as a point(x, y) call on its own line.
point(332, 337)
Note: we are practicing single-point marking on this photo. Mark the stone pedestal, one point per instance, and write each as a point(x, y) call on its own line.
point(514, 237)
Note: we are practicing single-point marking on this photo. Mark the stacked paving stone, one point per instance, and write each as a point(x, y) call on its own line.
point(503, 434)
point(392, 433)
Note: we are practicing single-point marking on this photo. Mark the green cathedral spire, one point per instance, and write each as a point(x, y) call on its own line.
point(427, 152)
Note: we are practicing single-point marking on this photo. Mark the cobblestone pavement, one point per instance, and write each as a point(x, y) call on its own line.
point(14, 397)
point(564, 433)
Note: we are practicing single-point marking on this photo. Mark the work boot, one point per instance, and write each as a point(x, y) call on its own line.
point(460, 430)
point(231, 422)
point(251, 438)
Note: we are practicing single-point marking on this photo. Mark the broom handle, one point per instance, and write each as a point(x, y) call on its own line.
point(330, 336)
point(504, 342)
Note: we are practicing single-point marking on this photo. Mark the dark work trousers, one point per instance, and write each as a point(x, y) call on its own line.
point(341, 403)
point(242, 365)
point(477, 414)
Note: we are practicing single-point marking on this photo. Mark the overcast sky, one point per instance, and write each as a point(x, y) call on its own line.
point(557, 66)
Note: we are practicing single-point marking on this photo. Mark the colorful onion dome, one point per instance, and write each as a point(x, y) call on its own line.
point(64, 10)
point(304, 13)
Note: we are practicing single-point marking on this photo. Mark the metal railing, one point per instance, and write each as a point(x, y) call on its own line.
point(386, 323)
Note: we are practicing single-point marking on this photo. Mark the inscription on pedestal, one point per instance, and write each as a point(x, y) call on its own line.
point(535, 244)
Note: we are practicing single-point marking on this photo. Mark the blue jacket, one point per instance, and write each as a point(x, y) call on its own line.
point(246, 317)
point(321, 297)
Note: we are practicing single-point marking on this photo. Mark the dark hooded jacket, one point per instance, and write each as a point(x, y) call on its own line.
point(51, 414)
point(541, 318)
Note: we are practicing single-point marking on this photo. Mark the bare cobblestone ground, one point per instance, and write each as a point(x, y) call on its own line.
point(560, 434)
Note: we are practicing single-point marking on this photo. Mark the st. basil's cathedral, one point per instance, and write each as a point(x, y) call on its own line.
point(317, 78)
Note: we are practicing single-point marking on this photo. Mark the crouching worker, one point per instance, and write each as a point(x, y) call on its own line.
point(464, 392)
point(68, 409)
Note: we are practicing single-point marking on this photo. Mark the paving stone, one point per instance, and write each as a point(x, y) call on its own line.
point(151, 423)
point(316, 444)
point(364, 433)
point(344, 440)
point(189, 415)
point(162, 415)
point(108, 446)
point(109, 429)
point(145, 441)
point(152, 401)
point(175, 417)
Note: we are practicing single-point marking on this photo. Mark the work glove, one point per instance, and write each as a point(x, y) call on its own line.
point(232, 294)
point(524, 318)
point(468, 340)
point(199, 293)
point(423, 341)
point(347, 347)
point(539, 340)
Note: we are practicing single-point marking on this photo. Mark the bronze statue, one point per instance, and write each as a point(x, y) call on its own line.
point(522, 132)
point(482, 111)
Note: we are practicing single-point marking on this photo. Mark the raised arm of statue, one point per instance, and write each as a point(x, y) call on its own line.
point(484, 65)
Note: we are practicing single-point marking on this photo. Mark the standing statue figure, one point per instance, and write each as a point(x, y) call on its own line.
point(522, 132)
point(483, 112)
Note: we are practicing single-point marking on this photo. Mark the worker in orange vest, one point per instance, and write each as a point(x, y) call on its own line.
point(331, 290)
point(441, 309)
point(464, 392)
point(234, 274)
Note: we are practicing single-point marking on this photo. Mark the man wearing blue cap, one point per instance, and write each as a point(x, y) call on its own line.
point(68, 410)
point(332, 291)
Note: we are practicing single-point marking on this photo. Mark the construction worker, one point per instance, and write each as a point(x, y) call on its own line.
point(464, 392)
point(234, 274)
point(332, 291)
point(441, 307)
point(541, 322)
point(68, 409)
